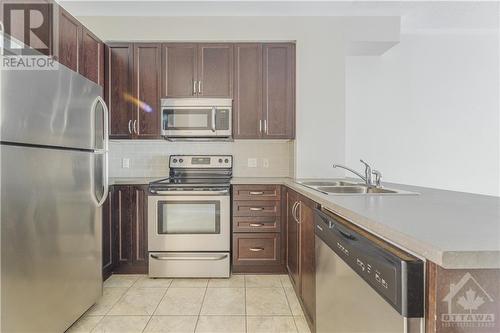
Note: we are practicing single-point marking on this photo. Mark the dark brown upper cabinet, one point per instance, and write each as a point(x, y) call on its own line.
point(118, 92)
point(147, 85)
point(264, 91)
point(215, 70)
point(247, 105)
point(279, 91)
point(179, 70)
point(91, 56)
point(197, 70)
point(133, 90)
point(79, 49)
point(69, 40)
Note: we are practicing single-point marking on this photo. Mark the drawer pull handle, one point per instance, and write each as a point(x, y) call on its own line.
point(256, 193)
point(256, 224)
point(256, 249)
point(256, 208)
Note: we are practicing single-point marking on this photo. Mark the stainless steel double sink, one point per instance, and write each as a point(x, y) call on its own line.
point(342, 187)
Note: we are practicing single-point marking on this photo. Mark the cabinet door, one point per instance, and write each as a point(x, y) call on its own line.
point(119, 68)
point(292, 233)
point(307, 263)
point(129, 218)
point(215, 70)
point(91, 57)
point(107, 237)
point(139, 245)
point(179, 70)
point(121, 221)
point(279, 90)
point(147, 62)
point(69, 40)
point(247, 106)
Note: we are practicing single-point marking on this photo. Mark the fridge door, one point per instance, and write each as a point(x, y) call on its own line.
point(50, 238)
point(48, 107)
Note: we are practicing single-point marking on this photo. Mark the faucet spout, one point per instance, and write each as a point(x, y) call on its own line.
point(351, 170)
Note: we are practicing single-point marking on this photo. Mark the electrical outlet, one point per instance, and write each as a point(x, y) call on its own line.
point(252, 162)
point(125, 163)
point(265, 162)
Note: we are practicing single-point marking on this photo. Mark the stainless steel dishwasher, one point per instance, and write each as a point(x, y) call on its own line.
point(364, 284)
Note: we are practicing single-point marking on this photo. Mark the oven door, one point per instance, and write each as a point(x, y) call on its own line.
point(196, 121)
point(188, 222)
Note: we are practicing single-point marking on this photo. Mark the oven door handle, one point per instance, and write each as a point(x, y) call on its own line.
point(197, 258)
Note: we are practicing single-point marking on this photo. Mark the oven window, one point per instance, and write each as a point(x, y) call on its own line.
point(188, 217)
point(187, 119)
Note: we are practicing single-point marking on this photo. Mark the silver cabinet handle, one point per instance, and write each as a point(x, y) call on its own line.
point(256, 249)
point(256, 208)
point(129, 126)
point(294, 211)
point(265, 126)
point(256, 193)
point(256, 224)
point(199, 88)
point(136, 130)
point(260, 126)
point(194, 87)
point(168, 257)
point(297, 212)
point(213, 119)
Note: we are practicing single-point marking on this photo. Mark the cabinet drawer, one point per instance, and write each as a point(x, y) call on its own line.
point(256, 208)
point(256, 249)
point(256, 224)
point(256, 192)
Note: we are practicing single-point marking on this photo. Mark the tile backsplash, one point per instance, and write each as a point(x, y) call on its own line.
point(150, 158)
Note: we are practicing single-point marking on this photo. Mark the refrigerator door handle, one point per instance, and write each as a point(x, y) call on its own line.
point(104, 151)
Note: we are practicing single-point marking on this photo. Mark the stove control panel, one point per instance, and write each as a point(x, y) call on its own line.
point(201, 161)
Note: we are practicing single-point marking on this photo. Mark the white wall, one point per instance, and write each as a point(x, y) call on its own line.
point(427, 112)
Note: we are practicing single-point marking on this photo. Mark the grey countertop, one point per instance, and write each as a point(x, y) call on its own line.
point(452, 229)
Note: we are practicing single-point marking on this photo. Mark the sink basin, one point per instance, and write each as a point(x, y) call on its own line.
point(353, 189)
point(326, 183)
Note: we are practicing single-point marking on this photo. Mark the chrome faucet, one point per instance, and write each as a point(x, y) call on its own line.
point(367, 178)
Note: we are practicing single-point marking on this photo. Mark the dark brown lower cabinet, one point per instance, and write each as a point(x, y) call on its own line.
point(257, 245)
point(125, 231)
point(300, 251)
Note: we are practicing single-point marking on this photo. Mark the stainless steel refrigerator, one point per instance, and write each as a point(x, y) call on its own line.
point(54, 180)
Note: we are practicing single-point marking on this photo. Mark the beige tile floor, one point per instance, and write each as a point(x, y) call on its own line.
point(243, 303)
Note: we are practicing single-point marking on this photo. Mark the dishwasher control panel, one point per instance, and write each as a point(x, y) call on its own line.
point(394, 274)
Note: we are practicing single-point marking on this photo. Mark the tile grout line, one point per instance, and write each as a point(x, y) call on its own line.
point(289, 306)
point(157, 305)
point(245, 298)
point(111, 307)
point(201, 307)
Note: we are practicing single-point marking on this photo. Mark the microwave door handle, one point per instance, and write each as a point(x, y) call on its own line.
point(213, 119)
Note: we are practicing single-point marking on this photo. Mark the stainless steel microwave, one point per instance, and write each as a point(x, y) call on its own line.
point(196, 118)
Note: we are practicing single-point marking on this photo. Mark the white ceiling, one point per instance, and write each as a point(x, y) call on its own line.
point(416, 15)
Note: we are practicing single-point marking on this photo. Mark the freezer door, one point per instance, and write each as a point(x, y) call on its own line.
point(48, 107)
point(50, 238)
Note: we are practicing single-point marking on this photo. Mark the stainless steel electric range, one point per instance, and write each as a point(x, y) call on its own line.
point(189, 218)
